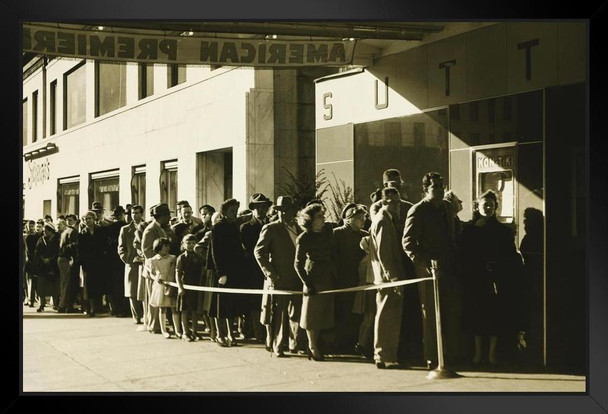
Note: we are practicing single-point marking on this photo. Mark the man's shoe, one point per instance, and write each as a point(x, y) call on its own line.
point(380, 365)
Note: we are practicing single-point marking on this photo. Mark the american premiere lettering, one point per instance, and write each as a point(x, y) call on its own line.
point(88, 44)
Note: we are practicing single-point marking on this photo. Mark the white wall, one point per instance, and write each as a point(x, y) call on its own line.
point(488, 63)
point(204, 113)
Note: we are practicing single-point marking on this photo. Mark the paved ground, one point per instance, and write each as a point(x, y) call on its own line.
point(74, 353)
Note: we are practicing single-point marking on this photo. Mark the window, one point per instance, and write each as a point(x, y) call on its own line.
point(53, 108)
point(105, 188)
point(168, 184)
point(138, 186)
point(74, 96)
point(228, 174)
point(68, 196)
point(214, 176)
point(146, 80)
point(176, 74)
point(110, 87)
point(46, 207)
point(25, 121)
point(424, 144)
point(35, 116)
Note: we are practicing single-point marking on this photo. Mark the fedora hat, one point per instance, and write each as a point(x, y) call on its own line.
point(284, 203)
point(258, 198)
point(96, 206)
point(118, 210)
point(161, 209)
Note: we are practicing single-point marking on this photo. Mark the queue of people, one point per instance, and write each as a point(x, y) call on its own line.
point(146, 270)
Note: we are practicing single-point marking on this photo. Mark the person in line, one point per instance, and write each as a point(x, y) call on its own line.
point(75, 294)
point(365, 301)
point(428, 239)
point(315, 262)
point(349, 255)
point(143, 293)
point(275, 254)
point(494, 283)
point(67, 254)
point(46, 253)
point(189, 270)
point(410, 343)
point(158, 228)
point(202, 233)
point(116, 266)
point(456, 203)
point(128, 254)
point(250, 233)
point(229, 262)
point(186, 223)
point(387, 264)
point(162, 271)
point(91, 252)
point(31, 238)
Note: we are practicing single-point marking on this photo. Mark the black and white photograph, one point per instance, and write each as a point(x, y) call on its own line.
point(305, 206)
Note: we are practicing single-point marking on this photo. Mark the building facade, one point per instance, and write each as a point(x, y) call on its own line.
point(501, 107)
point(133, 133)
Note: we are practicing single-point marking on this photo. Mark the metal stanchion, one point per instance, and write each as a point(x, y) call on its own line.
point(441, 372)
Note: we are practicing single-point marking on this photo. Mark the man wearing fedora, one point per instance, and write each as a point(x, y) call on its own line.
point(158, 228)
point(250, 232)
point(118, 302)
point(128, 255)
point(410, 344)
point(101, 220)
point(275, 253)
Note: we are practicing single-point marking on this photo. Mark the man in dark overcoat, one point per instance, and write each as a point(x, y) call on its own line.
point(250, 232)
point(428, 238)
point(116, 266)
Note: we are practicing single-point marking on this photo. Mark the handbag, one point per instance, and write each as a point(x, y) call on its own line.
point(170, 291)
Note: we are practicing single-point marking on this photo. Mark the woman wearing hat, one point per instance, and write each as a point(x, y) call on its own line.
point(46, 253)
point(315, 263)
point(229, 262)
point(349, 254)
point(92, 253)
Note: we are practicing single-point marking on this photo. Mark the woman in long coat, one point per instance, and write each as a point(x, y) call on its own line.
point(315, 263)
point(492, 269)
point(92, 244)
point(349, 255)
point(229, 261)
point(46, 254)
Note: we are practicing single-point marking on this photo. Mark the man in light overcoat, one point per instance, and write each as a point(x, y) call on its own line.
point(128, 254)
point(387, 264)
point(275, 253)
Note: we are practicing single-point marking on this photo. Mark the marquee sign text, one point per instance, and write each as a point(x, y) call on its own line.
point(89, 44)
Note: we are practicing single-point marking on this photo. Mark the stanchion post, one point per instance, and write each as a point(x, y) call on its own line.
point(441, 372)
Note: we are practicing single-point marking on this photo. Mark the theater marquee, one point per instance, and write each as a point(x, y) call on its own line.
point(192, 50)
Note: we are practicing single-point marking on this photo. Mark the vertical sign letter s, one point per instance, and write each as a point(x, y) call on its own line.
point(329, 107)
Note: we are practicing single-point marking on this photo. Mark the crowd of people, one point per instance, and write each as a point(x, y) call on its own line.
point(145, 269)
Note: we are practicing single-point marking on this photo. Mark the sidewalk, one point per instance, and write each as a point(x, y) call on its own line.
point(75, 353)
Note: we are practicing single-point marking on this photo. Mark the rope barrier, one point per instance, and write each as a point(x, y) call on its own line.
point(294, 292)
